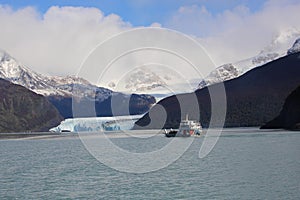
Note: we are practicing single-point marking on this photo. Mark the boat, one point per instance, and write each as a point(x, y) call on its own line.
point(171, 133)
point(187, 128)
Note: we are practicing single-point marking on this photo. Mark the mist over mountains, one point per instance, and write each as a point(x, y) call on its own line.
point(280, 46)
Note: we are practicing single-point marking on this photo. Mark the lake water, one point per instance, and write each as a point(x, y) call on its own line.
point(244, 164)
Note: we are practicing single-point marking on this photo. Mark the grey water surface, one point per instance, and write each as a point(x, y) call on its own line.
point(244, 164)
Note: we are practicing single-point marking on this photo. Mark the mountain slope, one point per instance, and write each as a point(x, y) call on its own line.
point(295, 48)
point(15, 72)
point(126, 104)
point(61, 90)
point(252, 99)
point(289, 117)
point(276, 49)
point(22, 110)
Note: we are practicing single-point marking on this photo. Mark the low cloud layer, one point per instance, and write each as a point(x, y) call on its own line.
point(58, 41)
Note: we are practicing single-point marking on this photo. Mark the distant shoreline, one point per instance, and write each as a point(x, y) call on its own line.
point(27, 135)
point(53, 135)
point(118, 134)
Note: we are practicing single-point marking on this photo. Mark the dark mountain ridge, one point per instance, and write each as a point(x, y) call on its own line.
point(127, 105)
point(252, 99)
point(289, 117)
point(61, 90)
point(22, 110)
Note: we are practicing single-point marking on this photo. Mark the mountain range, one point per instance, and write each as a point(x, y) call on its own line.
point(253, 99)
point(15, 72)
point(61, 90)
point(276, 49)
point(256, 89)
point(151, 81)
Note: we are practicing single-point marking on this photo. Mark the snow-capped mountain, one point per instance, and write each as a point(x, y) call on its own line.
point(295, 48)
point(276, 49)
point(222, 73)
point(142, 80)
point(61, 90)
point(15, 72)
point(156, 81)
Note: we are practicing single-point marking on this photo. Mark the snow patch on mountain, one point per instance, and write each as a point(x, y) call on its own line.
point(276, 49)
point(295, 48)
point(222, 73)
point(13, 71)
point(143, 79)
point(157, 81)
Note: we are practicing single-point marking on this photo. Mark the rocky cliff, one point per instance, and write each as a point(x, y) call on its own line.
point(22, 110)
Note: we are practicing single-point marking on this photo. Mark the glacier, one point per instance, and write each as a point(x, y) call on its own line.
point(96, 124)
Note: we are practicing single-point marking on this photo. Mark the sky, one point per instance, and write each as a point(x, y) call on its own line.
point(54, 37)
point(140, 12)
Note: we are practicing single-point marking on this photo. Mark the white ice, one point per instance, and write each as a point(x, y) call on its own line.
point(96, 124)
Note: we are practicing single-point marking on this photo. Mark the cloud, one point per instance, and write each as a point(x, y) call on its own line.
point(155, 24)
point(58, 41)
point(238, 33)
